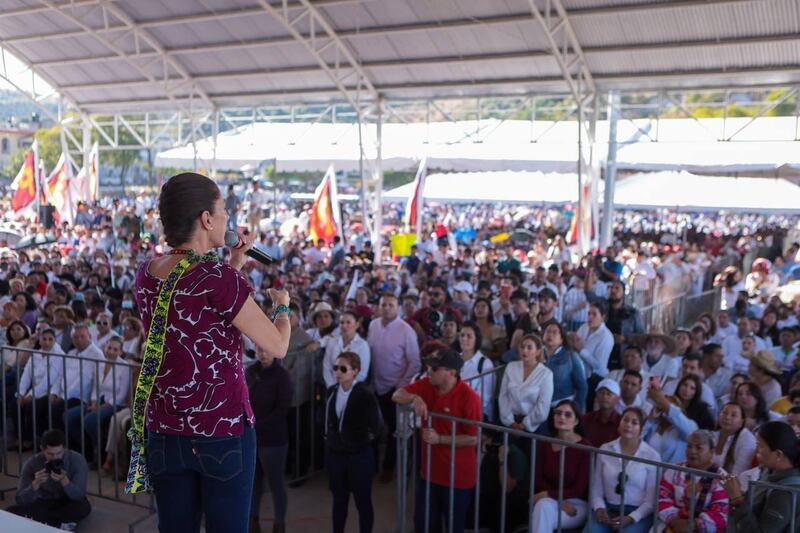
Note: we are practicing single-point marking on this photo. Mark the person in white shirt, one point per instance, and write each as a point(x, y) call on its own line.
point(786, 353)
point(39, 386)
point(765, 373)
point(109, 395)
point(475, 364)
point(633, 361)
point(740, 361)
point(637, 482)
point(79, 370)
point(575, 305)
point(630, 388)
point(736, 444)
point(642, 276)
point(732, 346)
point(724, 327)
point(526, 391)
point(593, 342)
point(101, 332)
point(348, 341)
point(657, 362)
point(715, 374)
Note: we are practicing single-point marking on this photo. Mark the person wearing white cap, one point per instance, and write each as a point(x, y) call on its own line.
point(462, 297)
point(602, 425)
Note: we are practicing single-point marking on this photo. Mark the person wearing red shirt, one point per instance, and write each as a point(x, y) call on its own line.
point(444, 392)
point(602, 425)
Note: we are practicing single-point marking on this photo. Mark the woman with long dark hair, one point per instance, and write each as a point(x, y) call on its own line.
point(565, 425)
point(749, 396)
point(689, 391)
point(735, 443)
point(778, 453)
point(192, 396)
point(493, 337)
point(569, 378)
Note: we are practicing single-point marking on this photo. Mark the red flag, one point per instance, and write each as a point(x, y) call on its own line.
point(324, 222)
point(416, 200)
point(58, 188)
point(25, 182)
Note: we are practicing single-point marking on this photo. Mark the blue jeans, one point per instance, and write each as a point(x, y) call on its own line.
point(642, 526)
point(96, 420)
point(351, 473)
point(439, 508)
point(196, 476)
point(72, 423)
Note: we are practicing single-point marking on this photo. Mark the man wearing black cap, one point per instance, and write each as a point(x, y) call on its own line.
point(444, 392)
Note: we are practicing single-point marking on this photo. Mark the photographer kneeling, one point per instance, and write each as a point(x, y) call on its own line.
point(52, 487)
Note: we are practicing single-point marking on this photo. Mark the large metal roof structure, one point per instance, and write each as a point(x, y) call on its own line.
point(201, 59)
point(108, 56)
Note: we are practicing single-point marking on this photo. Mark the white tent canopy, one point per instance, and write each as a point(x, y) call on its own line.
point(503, 186)
point(691, 192)
point(641, 191)
point(682, 144)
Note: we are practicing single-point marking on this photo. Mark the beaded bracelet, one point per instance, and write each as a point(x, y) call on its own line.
point(281, 309)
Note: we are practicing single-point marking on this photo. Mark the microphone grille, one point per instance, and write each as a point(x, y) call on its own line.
point(231, 239)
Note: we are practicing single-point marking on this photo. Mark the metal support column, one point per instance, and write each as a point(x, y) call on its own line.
point(214, 135)
point(377, 215)
point(611, 171)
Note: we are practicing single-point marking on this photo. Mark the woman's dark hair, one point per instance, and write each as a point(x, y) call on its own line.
point(727, 464)
point(352, 359)
point(557, 324)
point(713, 328)
point(489, 317)
point(79, 308)
point(779, 436)
point(601, 306)
point(551, 418)
point(30, 302)
point(636, 411)
point(25, 329)
point(478, 337)
point(696, 408)
point(183, 198)
point(761, 403)
point(353, 314)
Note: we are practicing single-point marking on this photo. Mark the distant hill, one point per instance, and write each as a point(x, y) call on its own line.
point(14, 104)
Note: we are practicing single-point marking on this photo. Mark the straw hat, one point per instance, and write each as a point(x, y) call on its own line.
point(319, 308)
point(765, 361)
point(669, 343)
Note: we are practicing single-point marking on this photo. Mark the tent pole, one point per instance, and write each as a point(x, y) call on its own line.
point(377, 216)
point(214, 135)
point(611, 170)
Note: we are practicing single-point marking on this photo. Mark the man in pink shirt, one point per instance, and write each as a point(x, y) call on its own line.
point(395, 356)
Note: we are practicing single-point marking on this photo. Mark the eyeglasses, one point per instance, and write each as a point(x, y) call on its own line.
point(622, 478)
point(340, 368)
point(565, 414)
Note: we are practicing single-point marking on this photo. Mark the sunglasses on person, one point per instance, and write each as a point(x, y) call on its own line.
point(621, 478)
point(340, 368)
point(102, 322)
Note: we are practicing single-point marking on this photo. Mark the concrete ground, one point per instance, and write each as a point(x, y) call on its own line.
point(309, 507)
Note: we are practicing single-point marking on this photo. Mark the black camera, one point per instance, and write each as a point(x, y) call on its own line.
point(54, 466)
point(435, 318)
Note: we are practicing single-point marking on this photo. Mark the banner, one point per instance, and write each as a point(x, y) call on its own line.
point(59, 191)
point(413, 221)
point(402, 243)
point(25, 184)
point(324, 223)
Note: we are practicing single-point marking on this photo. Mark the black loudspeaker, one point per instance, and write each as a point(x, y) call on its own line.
point(47, 216)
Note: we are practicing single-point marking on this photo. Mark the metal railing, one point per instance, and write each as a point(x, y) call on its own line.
point(68, 404)
point(405, 473)
point(679, 310)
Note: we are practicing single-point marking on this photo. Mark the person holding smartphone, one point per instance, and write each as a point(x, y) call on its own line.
point(52, 486)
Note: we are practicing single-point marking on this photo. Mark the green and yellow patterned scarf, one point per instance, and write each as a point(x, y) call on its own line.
point(138, 476)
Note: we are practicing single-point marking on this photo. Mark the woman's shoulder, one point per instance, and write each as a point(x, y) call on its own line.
point(648, 452)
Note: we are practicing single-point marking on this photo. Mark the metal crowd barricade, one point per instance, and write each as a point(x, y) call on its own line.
point(18, 424)
point(403, 478)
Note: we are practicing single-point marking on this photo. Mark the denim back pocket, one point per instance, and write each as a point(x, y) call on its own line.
point(156, 453)
point(220, 458)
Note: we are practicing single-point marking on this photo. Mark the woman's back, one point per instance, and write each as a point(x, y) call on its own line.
point(200, 387)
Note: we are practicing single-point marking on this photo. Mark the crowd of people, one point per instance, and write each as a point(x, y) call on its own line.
point(520, 333)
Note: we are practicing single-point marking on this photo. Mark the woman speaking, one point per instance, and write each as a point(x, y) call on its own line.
point(200, 449)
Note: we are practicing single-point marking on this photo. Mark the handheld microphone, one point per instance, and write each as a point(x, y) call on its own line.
point(233, 240)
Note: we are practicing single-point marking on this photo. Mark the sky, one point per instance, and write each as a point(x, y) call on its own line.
point(18, 73)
